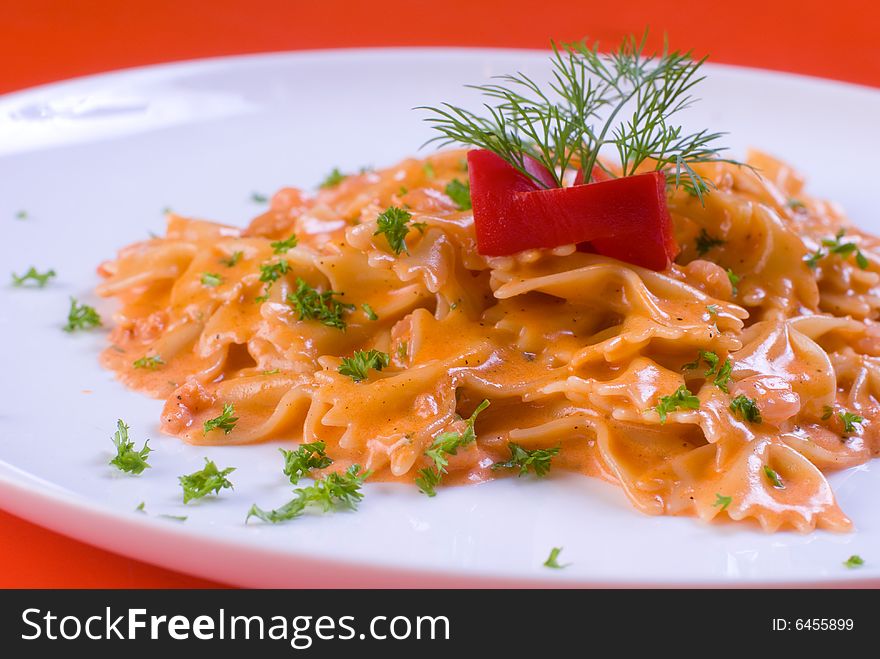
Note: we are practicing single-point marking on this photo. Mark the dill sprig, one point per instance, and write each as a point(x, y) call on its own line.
point(625, 100)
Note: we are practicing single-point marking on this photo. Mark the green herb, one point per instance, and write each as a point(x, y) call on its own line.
point(460, 193)
point(444, 445)
point(274, 371)
point(259, 198)
point(734, 280)
point(269, 274)
point(827, 411)
point(428, 169)
point(402, 348)
point(835, 246)
point(211, 279)
point(722, 373)
point(583, 110)
point(153, 362)
point(21, 215)
point(313, 305)
point(705, 242)
point(854, 561)
point(553, 560)
point(306, 457)
point(176, 518)
point(812, 260)
point(712, 309)
point(538, 459)
point(361, 361)
point(127, 459)
point(332, 179)
point(746, 408)
point(393, 223)
point(368, 310)
point(81, 316)
point(681, 399)
point(167, 210)
point(225, 421)
point(403, 190)
point(232, 260)
point(722, 501)
point(796, 204)
point(773, 477)
point(282, 246)
point(723, 378)
point(333, 492)
point(141, 507)
point(849, 421)
point(420, 226)
point(40, 279)
point(201, 483)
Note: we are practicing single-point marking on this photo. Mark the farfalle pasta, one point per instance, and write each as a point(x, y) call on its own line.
point(726, 386)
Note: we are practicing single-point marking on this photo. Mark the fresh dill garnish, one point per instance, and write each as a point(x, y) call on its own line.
point(259, 198)
point(211, 279)
point(734, 280)
point(827, 412)
point(746, 408)
point(269, 274)
point(152, 362)
point(368, 310)
point(311, 304)
point(419, 226)
point(232, 260)
point(705, 242)
point(127, 459)
point(681, 399)
point(81, 316)
point(361, 361)
point(332, 179)
point(835, 246)
point(299, 463)
point(428, 169)
point(444, 445)
point(283, 246)
point(538, 460)
point(205, 481)
point(21, 215)
point(773, 477)
point(722, 501)
point(568, 122)
point(402, 350)
point(333, 492)
point(393, 223)
point(849, 421)
point(812, 260)
point(39, 279)
point(854, 561)
point(460, 193)
point(225, 421)
point(553, 559)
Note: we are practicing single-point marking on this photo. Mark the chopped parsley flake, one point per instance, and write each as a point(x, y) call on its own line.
point(849, 421)
point(225, 421)
point(152, 362)
point(299, 463)
point(854, 561)
point(553, 560)
point(538, 460)
point(712, 309)
point(332, 179)
point(734, 280)
point(722, 501)
point(402, 350)
point(746, 408)
point(39, 279)
point(311, 304)
point(428, 169)
point(333, 492)
point(259, 198)
point(393, 223)
point(232, 260)
point(444, 445)
point(211, 279)
point(460, 193)
point(81, 316)
point(21, 215)
point(269, 274)
point(681, 399)
point(201, 483)
point(361, 361)
point(706, 242)
point(796, 204)
point(282, 246)
point(827, 412)
point(368, 310)
point(773, 477)
point(127, 459)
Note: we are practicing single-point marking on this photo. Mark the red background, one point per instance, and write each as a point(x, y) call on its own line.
point(46, 40)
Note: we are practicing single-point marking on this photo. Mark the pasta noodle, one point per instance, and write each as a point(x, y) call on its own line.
point(572, 349)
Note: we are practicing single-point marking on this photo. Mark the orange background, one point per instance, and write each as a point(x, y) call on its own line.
point(46, 40)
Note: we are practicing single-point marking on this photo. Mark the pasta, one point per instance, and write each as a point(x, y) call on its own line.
point(572, 349)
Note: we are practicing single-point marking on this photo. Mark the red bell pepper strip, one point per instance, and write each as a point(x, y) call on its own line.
point(625, 218)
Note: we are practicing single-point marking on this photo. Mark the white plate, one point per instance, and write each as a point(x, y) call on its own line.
point(94, 161)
